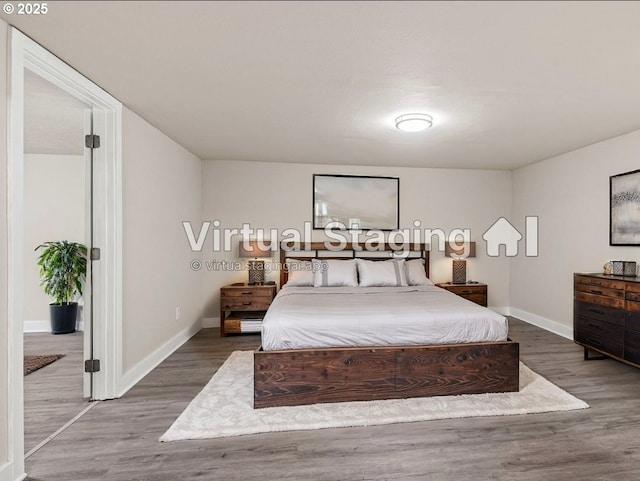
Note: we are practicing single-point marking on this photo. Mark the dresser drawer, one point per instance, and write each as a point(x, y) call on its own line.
point(632, 296)
point(601, 291)
point(600, 335)
point(600, 313)
point(633, 321)
point(477, 298)
point(616, 302)
point(473, 292)
point(633, 287)
point(632, 346)
point(232, 326)
point(599, 328)
point(252, 291)
point(632, 306)
point(468, 290)
point(253, 303)
point(599, 282)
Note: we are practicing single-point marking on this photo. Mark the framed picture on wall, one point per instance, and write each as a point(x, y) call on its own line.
point(356, 202)
point(624, 205)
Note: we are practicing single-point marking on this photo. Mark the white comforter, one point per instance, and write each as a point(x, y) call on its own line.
point(306, 317)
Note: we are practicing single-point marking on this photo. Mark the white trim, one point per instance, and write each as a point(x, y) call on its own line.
point(30, 327)
point(547, 324)
point(25, 53)
point(208, 322)
point(44, 325)
point(144, 367)
point(87, 298)
point(15, 176)
point(107, 117)
point(7, 472)
point(36, 326)
point(504, 311)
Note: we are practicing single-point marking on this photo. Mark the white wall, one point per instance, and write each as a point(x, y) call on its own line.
point(161, 189)
point(7, 471)
point(54, 209)
point(274, 195)
point(570, 194)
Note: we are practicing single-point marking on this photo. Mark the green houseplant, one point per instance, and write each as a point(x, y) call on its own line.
point(63, 267)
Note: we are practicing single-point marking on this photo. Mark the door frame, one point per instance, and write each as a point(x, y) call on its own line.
point(107, 214)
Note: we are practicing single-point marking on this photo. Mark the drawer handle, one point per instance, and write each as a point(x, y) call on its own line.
point(466, 292)
point(594, 342)
point(595, 326)
point(593, 291)
point(596, 311)
point(246, 293)
point(246, 303)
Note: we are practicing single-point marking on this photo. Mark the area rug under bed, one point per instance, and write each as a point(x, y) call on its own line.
point(225, 406)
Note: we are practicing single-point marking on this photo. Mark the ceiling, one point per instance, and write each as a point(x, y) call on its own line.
point(53, 119)
point(507, 83)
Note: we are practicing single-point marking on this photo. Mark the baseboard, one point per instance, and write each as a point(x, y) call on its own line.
point(504, 311)
point(210, 322)
point(543, 322)
point(144, 367)
point(44, 326)
point(8, 472)
point(36, 326)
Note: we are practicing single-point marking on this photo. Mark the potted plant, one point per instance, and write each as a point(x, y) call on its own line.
point(63, 267)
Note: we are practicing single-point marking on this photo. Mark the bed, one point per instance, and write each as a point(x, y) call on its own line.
point(366, 342)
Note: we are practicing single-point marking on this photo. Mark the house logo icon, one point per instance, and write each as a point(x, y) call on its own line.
point(503, 233)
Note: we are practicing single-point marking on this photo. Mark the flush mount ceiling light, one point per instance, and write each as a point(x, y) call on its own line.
point(414, 122)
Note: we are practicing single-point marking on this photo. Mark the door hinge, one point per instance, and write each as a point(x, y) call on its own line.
point(92, 141)
point(94, 254)
point(92, 365)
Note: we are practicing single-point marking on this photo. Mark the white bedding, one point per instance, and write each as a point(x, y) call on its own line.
point(308, 317)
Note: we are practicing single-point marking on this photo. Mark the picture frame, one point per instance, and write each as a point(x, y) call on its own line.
point(355, 202)
point(624, 209)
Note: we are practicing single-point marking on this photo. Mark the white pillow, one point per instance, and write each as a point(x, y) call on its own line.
point(300, 273)
point(334, 273)
point(416, 275)
point(382, 273)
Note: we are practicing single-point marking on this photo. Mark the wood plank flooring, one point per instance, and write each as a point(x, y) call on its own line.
point(118, 440)
point(53, 394)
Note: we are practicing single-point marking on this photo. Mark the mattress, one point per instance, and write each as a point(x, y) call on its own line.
point(308, 317)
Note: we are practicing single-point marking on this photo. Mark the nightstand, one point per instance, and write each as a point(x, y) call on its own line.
point(243, 306)
point(474, 292)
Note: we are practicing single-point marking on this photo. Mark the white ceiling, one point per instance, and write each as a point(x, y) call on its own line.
point(508, 83)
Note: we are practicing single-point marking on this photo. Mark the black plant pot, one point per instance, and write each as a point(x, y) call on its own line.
point(63, 317)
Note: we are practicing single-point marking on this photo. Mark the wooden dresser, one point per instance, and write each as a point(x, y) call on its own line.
point(606, 316)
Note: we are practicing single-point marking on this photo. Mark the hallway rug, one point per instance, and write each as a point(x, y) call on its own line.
point(33, 363)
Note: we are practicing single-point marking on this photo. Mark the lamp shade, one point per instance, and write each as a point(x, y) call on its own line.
point(458, 251)
point(254, 248)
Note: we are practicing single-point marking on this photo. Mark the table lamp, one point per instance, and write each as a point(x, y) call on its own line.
point(255, 249)
point(459, 253)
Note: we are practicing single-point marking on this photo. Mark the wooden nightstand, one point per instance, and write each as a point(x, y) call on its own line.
point(243, 306)
point(474, 292)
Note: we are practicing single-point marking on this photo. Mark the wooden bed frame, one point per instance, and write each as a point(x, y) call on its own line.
point(308, 376)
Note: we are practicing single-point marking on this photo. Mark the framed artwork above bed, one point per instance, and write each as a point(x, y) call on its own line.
point(356, 202)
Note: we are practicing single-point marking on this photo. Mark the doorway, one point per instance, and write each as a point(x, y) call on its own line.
point(25, 55)
point(56, 202)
